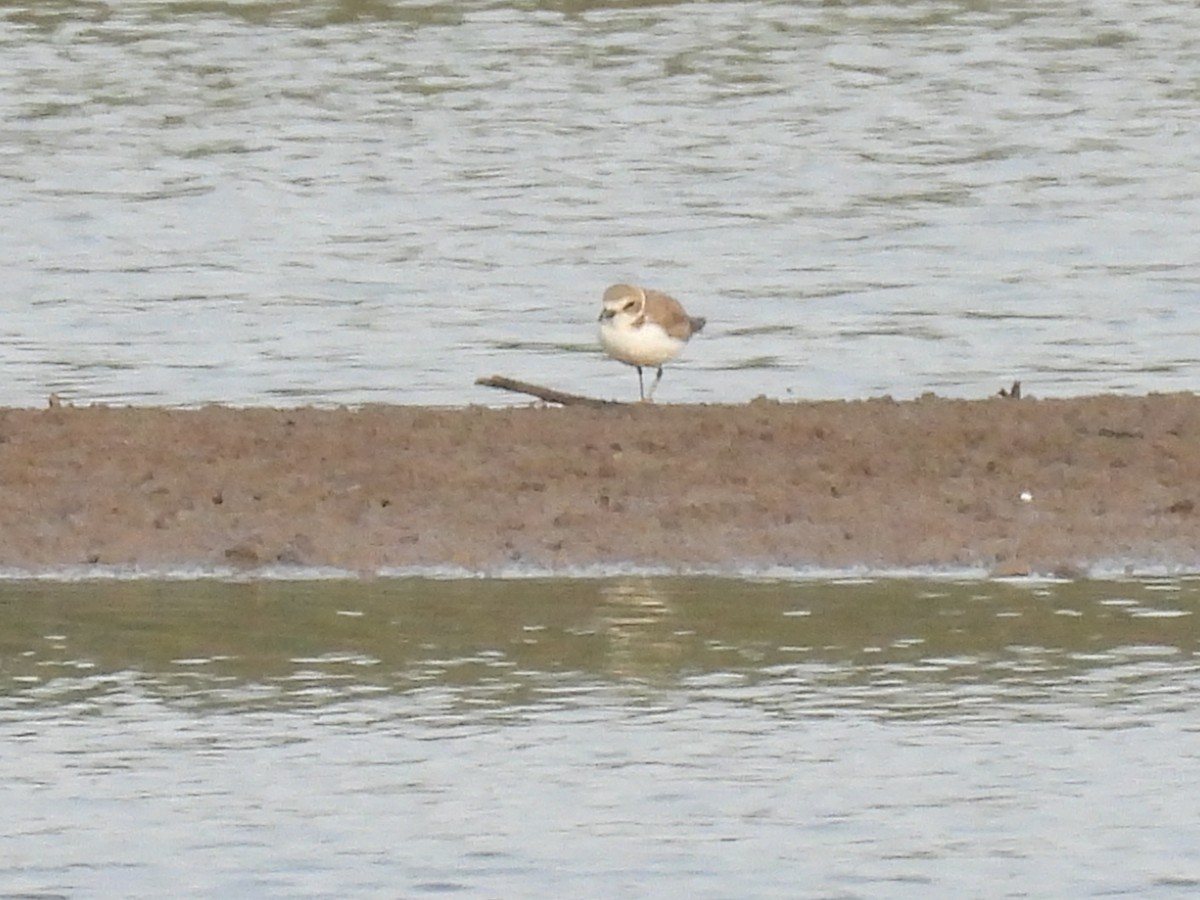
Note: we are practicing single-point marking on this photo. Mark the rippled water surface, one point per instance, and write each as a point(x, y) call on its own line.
point(317, 202)
point(600, 738)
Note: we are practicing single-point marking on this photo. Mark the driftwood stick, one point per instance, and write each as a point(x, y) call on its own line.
point(542, 393)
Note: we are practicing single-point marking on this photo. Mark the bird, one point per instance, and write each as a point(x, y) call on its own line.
point(642, 327)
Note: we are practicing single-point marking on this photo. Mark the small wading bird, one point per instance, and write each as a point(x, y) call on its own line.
point(641, 327)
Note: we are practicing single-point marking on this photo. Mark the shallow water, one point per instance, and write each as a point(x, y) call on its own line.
point(325, 202)
point(611, 737)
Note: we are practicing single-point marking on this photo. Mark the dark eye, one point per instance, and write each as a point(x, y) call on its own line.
point(628, 306)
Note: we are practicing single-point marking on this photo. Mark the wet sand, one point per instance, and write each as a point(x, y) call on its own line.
point(1009, 486)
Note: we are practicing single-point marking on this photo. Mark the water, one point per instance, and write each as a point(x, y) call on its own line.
point(600, 738)
point(339, 202)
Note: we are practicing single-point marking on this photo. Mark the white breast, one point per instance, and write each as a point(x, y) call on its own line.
point(644, 345)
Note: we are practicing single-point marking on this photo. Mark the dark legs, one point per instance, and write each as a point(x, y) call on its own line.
point(642, 386)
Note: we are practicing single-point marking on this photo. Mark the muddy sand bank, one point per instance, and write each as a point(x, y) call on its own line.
point(1010, 486)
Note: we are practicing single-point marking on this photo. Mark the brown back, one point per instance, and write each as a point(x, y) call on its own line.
point(669, 313)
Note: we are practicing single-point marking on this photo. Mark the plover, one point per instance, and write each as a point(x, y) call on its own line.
point(642, 327)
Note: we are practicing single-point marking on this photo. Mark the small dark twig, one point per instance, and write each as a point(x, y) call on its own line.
point(550, 395)
point(1013, 393)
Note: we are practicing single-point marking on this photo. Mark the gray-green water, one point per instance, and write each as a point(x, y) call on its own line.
point(600, 738)
point(378, 200)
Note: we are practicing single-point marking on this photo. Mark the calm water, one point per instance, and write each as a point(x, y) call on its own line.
point(600, 738)
point(317, 202)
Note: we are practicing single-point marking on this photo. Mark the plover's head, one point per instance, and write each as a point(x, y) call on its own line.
point(624, 300)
